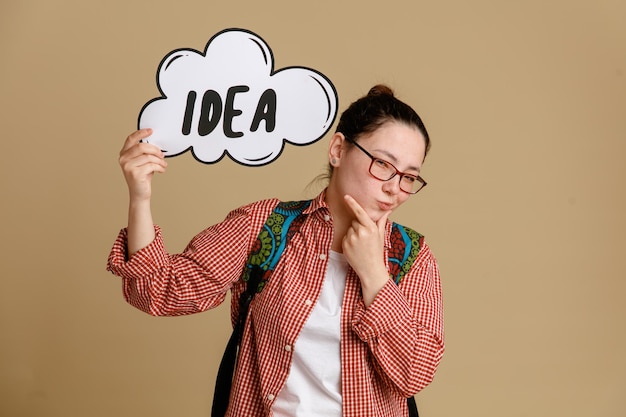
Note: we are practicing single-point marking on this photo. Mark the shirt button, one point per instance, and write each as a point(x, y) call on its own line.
point(322, 256)
point(327, 217)
point(288, 348)
point(270, 397)
point(308, 303)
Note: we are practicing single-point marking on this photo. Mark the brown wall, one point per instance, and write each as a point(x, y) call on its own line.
point(526, 105)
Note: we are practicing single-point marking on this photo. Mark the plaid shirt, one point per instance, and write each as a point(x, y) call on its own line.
point(389, 351)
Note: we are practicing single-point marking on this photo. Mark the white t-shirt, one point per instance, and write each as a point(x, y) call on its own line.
point(313, 387)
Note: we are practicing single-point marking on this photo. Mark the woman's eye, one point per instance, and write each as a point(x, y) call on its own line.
point(381, 163)
point(409, 179)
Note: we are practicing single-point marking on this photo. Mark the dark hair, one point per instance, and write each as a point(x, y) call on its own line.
point(378, 107)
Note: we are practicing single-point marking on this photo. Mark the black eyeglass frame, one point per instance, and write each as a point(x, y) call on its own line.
point(398, 172)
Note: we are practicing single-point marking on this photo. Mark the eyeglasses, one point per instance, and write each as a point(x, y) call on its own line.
point(384, 171)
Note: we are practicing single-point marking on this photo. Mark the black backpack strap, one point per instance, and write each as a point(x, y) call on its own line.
point(224, 380)
point(412, 407)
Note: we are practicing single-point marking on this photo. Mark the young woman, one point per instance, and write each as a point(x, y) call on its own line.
point(330, 334)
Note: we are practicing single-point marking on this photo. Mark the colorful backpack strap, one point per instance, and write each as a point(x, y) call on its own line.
point(284, 221)
point(405, 246)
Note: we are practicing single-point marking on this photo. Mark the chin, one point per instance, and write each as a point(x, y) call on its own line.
point(375, 215)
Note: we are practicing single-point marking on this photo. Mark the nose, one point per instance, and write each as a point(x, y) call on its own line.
point(392, 186)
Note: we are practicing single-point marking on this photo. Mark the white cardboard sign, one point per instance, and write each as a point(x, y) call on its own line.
point(230, 101)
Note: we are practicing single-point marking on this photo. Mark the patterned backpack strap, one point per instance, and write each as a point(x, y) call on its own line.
point(284, 221)
point(405, 246)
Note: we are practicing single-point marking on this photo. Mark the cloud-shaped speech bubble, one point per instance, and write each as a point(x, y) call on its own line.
point(230, 101)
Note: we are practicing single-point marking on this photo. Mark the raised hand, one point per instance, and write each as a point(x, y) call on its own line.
point(363, 247)
point(139, 162)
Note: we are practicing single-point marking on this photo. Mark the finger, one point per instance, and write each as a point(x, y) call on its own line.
point(137, 162)
point(149, 159)
point(139, 150)
point(382, 222)
point(146, 170)
point(143, 174)
point(136, 137)
point(155, 168)
point(359, 213)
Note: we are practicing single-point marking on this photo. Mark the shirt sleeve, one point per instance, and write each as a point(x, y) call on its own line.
point(403, 327)
point(162, 284)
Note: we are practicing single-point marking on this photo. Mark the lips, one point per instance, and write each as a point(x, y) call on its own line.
point(384, 206)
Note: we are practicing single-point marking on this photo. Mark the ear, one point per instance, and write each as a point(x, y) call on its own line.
point(336, 149)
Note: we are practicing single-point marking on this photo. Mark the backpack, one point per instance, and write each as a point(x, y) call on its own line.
point(284, 221)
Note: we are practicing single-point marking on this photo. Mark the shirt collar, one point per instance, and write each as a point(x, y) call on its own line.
point(317, 203)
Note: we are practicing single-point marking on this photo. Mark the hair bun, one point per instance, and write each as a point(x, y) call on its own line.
point(380, 90)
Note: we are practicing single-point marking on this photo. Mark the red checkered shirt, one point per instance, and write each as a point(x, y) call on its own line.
point(389, 350)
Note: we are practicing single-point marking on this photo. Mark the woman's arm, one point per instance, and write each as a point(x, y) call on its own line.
point(139, 162)
point(403, 327)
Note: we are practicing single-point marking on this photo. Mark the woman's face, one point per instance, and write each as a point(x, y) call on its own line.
point(397, 143)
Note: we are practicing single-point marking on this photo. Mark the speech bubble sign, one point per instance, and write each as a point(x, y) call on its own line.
point(230, 101)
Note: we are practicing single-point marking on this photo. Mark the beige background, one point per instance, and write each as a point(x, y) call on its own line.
point(526, 105)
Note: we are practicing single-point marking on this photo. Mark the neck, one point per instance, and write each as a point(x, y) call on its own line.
point(341, 217)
